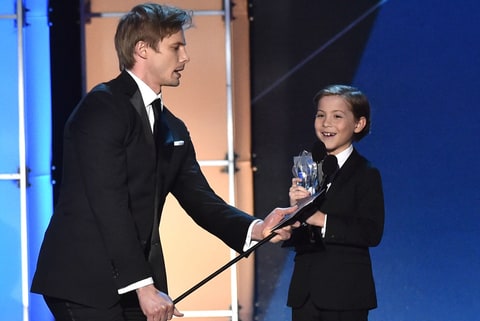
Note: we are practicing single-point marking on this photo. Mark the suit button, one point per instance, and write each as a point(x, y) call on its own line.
point(115, 272)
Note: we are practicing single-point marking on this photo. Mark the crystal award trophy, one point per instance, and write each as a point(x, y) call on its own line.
point(306, 169)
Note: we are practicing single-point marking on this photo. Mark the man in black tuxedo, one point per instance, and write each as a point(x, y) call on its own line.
point(101, 258)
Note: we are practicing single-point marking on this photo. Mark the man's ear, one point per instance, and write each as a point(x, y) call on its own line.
point(141, 49)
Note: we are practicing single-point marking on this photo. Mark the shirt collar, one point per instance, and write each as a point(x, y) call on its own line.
point(343, 156)
point(148, 95)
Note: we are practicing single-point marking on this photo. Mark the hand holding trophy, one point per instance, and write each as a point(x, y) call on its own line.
point(306, 169)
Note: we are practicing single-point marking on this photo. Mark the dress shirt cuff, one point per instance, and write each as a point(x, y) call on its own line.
point(135, 286)
point(324, 227)
point(248, 241)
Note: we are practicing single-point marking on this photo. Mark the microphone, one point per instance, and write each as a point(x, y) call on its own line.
point(329, 169)
point(319, 151)
point(330, 164)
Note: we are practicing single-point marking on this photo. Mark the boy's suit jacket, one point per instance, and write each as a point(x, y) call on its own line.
point(101, 232)
point(338, 275)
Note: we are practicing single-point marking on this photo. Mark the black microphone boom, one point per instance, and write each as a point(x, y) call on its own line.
point(319, 151)
point(329, 169)
point(329, 165)
point(224, 267)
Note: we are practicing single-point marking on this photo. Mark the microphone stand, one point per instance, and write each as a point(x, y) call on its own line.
point(223, 268)
point(303, 212)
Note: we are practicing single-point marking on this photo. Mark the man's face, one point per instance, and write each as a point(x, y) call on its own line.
point(165, 62)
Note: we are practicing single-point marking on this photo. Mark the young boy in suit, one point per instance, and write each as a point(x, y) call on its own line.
point(332, 279)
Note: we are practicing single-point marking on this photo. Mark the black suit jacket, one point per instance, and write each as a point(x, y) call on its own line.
point(338, 274)
point(113, 191)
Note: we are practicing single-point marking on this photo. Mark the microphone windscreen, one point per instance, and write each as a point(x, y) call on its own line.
point(329, 165)
point(319, 151)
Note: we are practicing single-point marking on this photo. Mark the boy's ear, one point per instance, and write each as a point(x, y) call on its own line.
point(360, 125)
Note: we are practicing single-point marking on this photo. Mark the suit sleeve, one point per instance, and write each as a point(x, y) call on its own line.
point(206, 208)
point(356, 210)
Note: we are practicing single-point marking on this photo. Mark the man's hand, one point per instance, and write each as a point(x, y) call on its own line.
point(264, 228)
point(156, 305)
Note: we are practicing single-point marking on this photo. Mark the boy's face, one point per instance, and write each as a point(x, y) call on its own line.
point(335, 124)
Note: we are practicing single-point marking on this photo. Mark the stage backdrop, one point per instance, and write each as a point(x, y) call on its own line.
point(25, 153)
point(418, 61)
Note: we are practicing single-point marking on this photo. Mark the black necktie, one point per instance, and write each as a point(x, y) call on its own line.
point(163, 137)
point(161, 131)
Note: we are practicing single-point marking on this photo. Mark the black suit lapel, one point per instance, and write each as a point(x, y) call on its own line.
point(137, 102)
point(125, 84)
point(347, 170)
